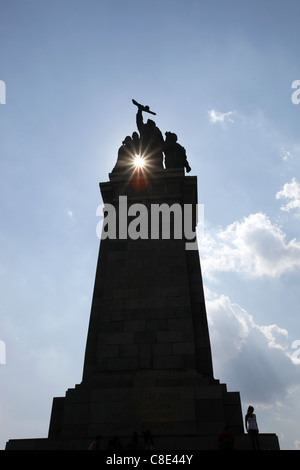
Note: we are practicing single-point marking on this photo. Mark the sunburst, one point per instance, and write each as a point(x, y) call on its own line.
point(139, 161)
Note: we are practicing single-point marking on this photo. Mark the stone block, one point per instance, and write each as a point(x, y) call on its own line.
point(183, 348)
point(180, 324)
point(128, 350)
point(145, 356)
point(155, 324)
point(134, 325)
point(210, 410)
point(119, 338)
point(210, 392)
point(168, 362)
point(144, 337)
point(122, 363)
point(76, 413)
point(163, 349)
point(173, 336)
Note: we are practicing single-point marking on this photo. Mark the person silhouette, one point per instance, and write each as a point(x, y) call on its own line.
point(175, 154)
point(126, 154)
point(252, 427)
point(226, 439)
point(148, 440)
point(136, 142)
point(134, 442)
point(95, 445)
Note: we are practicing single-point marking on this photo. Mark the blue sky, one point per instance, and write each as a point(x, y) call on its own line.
point(219, 74)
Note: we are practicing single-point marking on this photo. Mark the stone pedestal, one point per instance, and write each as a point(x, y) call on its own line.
point(148, 362)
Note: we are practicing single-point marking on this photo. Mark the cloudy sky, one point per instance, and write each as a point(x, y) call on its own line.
point(219, 74)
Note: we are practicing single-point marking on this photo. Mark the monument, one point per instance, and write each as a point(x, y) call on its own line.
point(148, 365)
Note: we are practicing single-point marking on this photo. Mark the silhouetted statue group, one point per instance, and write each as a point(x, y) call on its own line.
point(150, 145)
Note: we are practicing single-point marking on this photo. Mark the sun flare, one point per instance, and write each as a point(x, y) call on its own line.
point(139, 161)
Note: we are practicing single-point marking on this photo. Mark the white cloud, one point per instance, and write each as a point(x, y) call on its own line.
point(260, 361)
point(285, 154)
point(256, 358)
point(256, 361)
point(275, 336)
point(290, 191)
point(216, 116)
point(229, 327)
point(254, 246)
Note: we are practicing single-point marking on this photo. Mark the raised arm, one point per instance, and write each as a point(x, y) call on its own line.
point(139, 120)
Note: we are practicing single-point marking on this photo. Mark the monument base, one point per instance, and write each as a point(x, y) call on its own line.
point(241, 442)
point(182, 412)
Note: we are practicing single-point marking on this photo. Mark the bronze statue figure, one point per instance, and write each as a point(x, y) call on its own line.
point(150, 145)
point(175, 154)
point(152, 141)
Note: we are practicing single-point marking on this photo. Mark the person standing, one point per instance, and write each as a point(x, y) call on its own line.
point(95, 445)
point(252, 428)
